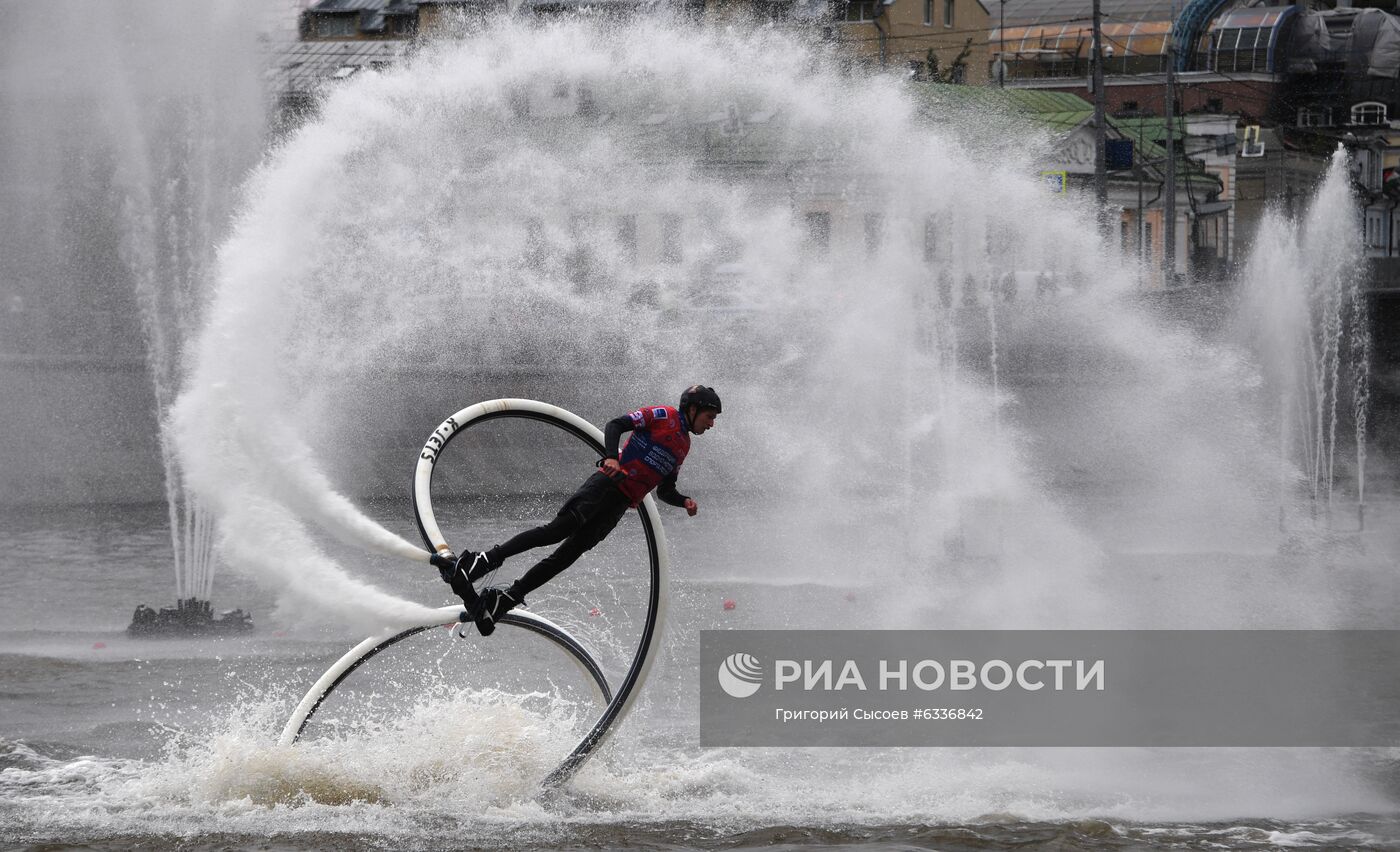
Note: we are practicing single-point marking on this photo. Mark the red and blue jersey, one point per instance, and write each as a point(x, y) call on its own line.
point(659, 443)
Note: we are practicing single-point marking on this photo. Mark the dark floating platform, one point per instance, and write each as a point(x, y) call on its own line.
point(190, 617)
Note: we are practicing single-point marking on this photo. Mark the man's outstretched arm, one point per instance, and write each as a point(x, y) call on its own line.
point(668, 494)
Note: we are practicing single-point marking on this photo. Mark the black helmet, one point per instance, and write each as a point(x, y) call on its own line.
point(701, 396)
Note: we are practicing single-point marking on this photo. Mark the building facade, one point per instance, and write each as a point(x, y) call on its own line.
point(1228, 87)
point(943, 39)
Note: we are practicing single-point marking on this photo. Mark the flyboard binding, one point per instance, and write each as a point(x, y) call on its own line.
point(616, 701)
point(474, 607)
point(446, 563)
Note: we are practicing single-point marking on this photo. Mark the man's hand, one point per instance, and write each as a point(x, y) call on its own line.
point(691, 507)
point(613, 469)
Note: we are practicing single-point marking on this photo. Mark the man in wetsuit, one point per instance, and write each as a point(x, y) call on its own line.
point(651, 460)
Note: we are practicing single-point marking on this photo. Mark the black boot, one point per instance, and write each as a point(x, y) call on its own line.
point(477, 565)
point(450, 569)
point(492, 603)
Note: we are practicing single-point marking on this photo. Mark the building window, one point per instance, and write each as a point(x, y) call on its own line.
point(776, 11)
point(336, 26)
point(947, 13)
point(819, 231)
point(1000, 240)
point(536, 244)
point(860, 10)
point(627, 238)
point(1315, 117)
point(587, 105)
point(578, 262)
point(1243, 49)
point(519, 102)
point(874, 233)
point(1369, 113)
point(671, 238)
point(1366, 168)
point(403, 25)
point(928, 13)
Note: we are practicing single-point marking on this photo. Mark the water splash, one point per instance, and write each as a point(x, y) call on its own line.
point(1305, 309)
point(407, 782)
point(605, 211)
point(155, 111)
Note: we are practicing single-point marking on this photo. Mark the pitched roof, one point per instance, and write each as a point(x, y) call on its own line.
point(1060, 113)
point(347, 5)
point(1148, 133)
point(1056, 111)
point(302, 66)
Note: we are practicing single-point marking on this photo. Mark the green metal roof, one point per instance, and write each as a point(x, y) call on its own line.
point(1152, 127)
point(1145, 132)
point(1042, 102)
point(1056, 110)
point(1058, 113)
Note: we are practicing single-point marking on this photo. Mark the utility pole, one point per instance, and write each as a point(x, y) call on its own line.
point(1100, 127)
point(1169, 212)
point(883, 36)
point(1001, 48)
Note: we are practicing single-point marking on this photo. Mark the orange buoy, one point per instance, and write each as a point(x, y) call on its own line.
point(729, 603)
point(595, 612)
point(98, 646)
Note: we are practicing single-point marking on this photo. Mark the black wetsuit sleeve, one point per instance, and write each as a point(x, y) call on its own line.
point(612, 434)
point(668, 493)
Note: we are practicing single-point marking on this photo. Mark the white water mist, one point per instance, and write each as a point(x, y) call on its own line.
point(1305, 311)
point(644, 206)
point(151, 112)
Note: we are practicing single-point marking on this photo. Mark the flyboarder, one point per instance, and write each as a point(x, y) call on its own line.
point(651, 460)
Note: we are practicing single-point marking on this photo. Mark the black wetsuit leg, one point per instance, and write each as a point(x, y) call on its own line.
point(598, 492)
point(553, 532)
point(598, 506)
point(595, 491)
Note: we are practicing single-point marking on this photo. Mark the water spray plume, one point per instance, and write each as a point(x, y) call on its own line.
point(1305, 311)
point(633, 206)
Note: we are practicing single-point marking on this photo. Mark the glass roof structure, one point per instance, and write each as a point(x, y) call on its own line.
point(1121, 40)
point(1026, 12)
